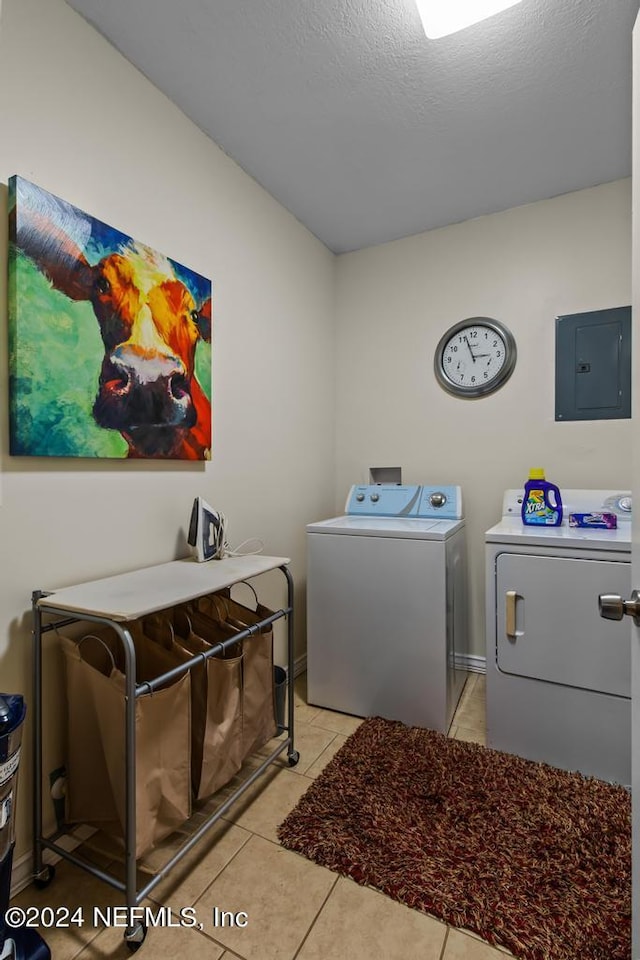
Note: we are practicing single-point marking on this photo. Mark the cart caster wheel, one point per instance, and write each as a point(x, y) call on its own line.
point(42, 881)
point(293, 758)
point(134, 936)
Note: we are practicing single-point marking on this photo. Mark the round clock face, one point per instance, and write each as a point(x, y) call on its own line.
point(475, 357)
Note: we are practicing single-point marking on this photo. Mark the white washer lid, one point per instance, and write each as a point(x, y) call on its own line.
point(399, 527)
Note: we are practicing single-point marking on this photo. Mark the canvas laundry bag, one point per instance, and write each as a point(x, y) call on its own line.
point(89, 798)
point(216, 695)
point(163, 734)
point(258, 691)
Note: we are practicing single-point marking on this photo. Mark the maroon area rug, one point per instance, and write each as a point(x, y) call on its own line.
point(527, 856)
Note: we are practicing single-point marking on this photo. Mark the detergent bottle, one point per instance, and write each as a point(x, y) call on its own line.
point(542, 503)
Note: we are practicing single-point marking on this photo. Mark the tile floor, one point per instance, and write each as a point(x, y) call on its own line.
point(295, 909)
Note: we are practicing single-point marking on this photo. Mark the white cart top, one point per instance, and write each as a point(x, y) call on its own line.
point(128, 596)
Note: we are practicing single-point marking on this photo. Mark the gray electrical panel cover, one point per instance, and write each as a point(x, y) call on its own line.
point(593, 365)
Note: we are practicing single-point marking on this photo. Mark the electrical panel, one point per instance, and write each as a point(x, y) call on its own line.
point(593, 365)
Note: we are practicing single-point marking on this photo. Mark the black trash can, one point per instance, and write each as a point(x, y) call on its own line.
point(22, 943)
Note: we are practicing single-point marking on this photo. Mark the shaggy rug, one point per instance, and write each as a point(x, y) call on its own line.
point(525, 855)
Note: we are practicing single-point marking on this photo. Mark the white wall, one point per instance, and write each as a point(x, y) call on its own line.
point(79, 121)
point(524, 267)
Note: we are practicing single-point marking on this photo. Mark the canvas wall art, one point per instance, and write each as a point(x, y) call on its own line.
point(109, 340)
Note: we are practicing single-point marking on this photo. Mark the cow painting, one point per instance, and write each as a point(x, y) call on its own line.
point(109, 340)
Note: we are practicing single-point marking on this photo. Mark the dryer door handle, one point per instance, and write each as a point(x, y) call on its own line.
point(613, 607)
point(511, 599)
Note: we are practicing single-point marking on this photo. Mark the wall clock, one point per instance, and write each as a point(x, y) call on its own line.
point(475, 357)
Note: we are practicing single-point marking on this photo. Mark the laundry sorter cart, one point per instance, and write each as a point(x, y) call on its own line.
point(115, 602)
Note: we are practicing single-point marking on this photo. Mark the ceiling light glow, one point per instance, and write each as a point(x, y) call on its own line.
point(442, 17)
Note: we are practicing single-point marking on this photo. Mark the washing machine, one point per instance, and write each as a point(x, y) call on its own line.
point(558, 675)
point(387, 631)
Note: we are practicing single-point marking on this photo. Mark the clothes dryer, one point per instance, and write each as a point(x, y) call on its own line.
point(387, 631)
point(558, 675)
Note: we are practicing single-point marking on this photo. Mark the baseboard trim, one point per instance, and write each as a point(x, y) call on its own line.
point(300, 666)
point(471, 663)
point(22, 871)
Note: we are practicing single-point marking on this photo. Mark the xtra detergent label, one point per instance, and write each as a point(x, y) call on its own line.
point(9, 767)
point(537, 510)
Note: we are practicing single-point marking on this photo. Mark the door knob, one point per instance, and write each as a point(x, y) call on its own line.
point(613, 607)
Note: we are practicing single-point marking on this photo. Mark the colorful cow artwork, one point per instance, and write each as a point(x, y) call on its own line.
point(110, 341)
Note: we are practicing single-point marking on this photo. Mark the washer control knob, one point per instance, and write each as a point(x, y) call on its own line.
point(624, 504)
point(375, 497)
point(359, 497)
point(613, 607)
point(437, 499)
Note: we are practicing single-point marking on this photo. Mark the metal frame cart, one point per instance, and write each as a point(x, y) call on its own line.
point(112, 602)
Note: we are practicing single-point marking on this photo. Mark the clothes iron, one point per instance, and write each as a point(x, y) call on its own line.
point(206, 531)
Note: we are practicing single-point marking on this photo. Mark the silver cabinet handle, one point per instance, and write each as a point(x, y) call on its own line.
point(510, 612)
point(613, 607)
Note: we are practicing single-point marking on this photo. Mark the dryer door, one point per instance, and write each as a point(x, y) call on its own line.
point(548, 624)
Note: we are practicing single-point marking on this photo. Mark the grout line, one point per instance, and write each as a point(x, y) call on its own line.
point(226, 951)
point(444, 943)
point(85, 946)
point(341, 733)
point(303, 773)
point(250, 834)
point(315, 919)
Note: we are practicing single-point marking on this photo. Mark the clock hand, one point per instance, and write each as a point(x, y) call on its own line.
point(466, 340)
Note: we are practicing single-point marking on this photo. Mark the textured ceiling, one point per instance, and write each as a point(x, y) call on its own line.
point(367, 131)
